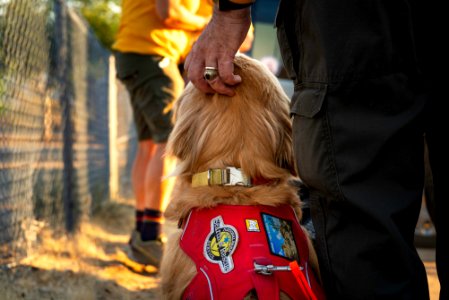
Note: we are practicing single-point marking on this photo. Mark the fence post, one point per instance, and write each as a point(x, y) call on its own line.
point(63, 74)
point(113, 153)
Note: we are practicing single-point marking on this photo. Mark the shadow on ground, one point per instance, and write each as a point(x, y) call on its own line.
point(89, 265)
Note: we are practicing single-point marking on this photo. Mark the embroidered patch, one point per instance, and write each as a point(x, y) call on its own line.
point(252, 225)
point(280, 237)
point(220, 244)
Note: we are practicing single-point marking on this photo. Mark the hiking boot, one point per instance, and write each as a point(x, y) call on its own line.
point(146, 252)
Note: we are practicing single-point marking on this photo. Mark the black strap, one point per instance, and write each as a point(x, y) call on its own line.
point(225, 5)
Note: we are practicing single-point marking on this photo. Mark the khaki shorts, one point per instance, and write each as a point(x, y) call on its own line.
point(153, 83)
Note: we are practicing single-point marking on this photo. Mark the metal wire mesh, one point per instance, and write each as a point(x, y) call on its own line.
point(126, 141)
point(54, 163)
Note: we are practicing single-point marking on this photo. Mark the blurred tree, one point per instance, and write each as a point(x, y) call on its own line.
point(103, 16)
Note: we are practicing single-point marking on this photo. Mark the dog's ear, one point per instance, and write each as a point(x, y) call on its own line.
point(262, 89)
point(284, 146)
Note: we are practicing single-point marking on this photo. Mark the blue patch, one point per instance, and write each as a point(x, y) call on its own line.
point(280, 237)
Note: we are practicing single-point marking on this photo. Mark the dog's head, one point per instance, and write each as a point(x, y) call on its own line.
point(251, 130)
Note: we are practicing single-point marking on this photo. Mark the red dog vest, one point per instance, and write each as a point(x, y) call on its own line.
point(226, 241)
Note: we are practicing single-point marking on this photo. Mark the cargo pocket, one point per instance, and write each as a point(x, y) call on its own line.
point(312, 139)
point(308, 99)
point(127, 77)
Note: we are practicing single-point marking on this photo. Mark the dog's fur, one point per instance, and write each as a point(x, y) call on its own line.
point(251, 131)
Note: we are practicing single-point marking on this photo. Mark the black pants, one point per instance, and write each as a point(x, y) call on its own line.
point(365, 97)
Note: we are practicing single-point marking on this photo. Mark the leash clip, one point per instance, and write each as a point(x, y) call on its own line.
point(269, 269)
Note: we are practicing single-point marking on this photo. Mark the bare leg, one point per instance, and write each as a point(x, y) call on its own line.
point(153, 178)
point(150, 187)
point(141, 161)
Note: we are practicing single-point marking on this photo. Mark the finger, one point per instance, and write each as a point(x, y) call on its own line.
point(220, 87)
point(210, 74)
point(203, 86)
point(211, 61)
point(195, 73)
point(226, 69)
point(216, 83)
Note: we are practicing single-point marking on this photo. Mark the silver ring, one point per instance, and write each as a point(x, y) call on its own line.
point(210, 73)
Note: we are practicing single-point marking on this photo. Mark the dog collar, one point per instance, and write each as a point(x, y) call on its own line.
point(229, 176)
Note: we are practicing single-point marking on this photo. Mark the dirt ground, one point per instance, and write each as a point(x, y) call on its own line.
point(91, 265)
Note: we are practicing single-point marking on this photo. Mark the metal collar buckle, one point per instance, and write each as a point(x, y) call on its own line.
point(231, 176)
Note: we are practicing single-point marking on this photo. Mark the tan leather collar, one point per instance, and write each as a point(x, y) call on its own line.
point(229, 176)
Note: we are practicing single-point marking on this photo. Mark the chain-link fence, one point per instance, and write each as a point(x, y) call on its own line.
point(126, 144)
point(54, 132)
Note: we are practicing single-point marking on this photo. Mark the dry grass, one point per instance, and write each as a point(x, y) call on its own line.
point(91, 264)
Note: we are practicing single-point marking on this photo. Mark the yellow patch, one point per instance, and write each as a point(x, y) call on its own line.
point(252, 225)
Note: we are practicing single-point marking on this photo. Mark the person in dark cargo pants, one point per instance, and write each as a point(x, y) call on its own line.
point(368, 87)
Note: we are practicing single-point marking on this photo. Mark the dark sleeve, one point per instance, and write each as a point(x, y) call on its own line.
point(234, 4)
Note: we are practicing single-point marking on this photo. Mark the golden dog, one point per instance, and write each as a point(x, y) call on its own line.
point(248, 134)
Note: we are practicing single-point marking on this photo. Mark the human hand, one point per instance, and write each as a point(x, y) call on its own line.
point(216, 47)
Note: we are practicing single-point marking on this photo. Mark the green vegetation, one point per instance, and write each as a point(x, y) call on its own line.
point(103, 16)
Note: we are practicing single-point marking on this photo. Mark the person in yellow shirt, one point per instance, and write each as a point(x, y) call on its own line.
point(153, 37)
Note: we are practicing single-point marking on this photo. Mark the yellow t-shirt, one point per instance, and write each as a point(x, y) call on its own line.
point(205, 9)
point(142, 32)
